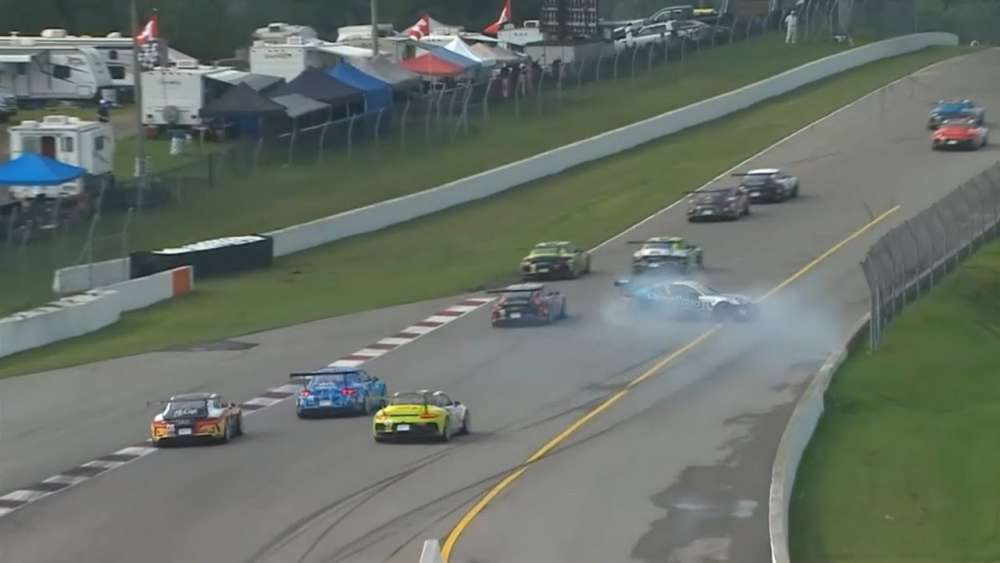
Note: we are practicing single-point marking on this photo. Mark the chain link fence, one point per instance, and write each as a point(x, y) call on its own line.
point(215, 186)
point(911, 258)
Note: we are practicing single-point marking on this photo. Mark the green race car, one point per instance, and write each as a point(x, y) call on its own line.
point(556, 259)
point(666, 254)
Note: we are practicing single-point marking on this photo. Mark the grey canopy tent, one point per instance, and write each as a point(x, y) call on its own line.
point(401, 79)
point(259, 115)
point(320, 86)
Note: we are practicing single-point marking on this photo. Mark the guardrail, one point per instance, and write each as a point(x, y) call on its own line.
point(794, 440)
point(87, 312)
point(385, 214)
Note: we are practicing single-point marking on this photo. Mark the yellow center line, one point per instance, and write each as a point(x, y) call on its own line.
point(466, 520)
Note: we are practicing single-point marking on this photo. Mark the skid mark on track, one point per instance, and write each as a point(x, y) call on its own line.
point(717, 512)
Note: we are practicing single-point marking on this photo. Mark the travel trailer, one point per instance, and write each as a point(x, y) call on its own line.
point(288, 60)
point(115, 51)
point(174, 96)
point(87, 144)
point(52, 72)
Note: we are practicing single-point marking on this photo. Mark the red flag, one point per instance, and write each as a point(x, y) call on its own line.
point(149, 33)
point(420, 29)
point(505, 17)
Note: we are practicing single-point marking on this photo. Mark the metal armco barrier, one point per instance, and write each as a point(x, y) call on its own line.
point(208, 258)
point(914, 256)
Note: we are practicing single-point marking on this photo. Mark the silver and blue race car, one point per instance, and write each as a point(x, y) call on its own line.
point(338, 390)
point(687, 300)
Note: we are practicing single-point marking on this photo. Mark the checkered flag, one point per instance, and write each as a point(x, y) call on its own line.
point(149, 55)
point(148, 43)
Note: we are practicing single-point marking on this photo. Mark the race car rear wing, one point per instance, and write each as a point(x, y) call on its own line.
point(513, 290)
point(303, 377)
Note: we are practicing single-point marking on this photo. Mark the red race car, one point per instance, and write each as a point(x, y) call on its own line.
point(959, 134)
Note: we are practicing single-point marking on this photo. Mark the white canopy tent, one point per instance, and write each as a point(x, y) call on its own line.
point(462, 48)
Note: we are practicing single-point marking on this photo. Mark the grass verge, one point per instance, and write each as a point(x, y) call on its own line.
point(277, 197)
point(424, 259)
point(903, 464)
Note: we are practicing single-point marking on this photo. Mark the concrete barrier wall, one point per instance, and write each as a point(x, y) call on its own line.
point(66, 318)
point(87, 312)
point(794, 440)
point(384, 214)
point(143, 292)
point(75, 279)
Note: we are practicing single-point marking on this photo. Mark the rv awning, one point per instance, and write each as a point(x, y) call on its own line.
point(297, 105)
point(17, 57)
point(378, 94)
point(258, 82)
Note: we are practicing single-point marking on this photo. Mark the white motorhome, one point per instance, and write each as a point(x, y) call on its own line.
point(511, 37)
point(87, 144)
point(115, 50)
point(175, 95)
point(52, 72)
point(289, 59)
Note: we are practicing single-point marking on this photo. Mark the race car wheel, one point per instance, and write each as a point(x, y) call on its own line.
point(379, 439)
point(446, 432)
point(562, 311)
point(586, 268)
point(795, 191)
point(239, 425)
point(722, 312)
point(465, 423)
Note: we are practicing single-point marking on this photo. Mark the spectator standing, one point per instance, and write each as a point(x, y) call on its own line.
point(791, 27)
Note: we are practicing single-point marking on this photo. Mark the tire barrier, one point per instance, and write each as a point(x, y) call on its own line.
point(208, 258)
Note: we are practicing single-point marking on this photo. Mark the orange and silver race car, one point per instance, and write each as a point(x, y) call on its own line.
point(962, 133)
point(196, 417)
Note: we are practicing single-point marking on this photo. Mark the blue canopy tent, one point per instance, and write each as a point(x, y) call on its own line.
point(32, 169)
point(378, 94)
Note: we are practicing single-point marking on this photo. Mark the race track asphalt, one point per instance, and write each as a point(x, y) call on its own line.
point(676, 471)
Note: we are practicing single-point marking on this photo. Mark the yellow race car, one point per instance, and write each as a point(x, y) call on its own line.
point(195, 417)
point(421, 414)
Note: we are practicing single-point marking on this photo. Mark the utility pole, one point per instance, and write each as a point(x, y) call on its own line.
point(140, 149)
point(374, 4)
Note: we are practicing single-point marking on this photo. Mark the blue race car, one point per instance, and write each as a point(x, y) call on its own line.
point(338, 390)
point(954, 109)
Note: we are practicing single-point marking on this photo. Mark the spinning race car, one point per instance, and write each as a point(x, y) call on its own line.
point(421, 414)
point(196, 417)
point(955, 109)
point(527, 303)
point(560, 259)
point(685, 300)
point(666, 254)
point(723, 203)
point(960, 134)
point(338, 390)
point(769, 184)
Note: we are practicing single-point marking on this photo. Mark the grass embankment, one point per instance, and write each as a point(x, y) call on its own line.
point(903, 466)
point(466, 247)
point(278, 197)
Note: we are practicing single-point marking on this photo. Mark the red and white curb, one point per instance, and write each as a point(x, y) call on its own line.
point(15, 500)
point(413, 332)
